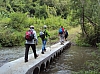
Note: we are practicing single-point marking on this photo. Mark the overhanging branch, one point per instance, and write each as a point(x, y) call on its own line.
point(90, 21)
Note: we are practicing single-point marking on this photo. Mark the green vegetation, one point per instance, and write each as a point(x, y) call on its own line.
point(88, 12)
point(17, 15)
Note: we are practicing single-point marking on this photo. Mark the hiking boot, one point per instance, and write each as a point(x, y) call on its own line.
point(66, 39)
point(36, 56)
point(62, 43)
point(26, 61)
point(42, 52)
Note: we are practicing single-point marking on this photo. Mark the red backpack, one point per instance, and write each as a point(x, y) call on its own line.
point(29, 35)
point(63, 29)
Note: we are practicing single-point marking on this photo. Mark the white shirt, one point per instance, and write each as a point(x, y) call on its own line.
point(34, 41)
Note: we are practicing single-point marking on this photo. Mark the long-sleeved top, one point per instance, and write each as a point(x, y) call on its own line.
point(34, 41)
point(44, 34)
point(47, 34)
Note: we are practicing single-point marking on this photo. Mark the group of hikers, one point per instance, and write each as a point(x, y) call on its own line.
point(32, 39)
point(63, 34)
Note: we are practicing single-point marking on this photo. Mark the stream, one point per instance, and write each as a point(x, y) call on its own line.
point(72, 59)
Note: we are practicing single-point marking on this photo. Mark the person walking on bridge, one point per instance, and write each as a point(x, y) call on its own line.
point(44, 35)
point(61, 35)
point(66, 35)
point(30, 42)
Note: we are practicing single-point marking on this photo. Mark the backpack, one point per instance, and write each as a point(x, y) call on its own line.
point(42, 35)
point(60, 31)
point(29, 35)
point(66, 33)
point(45, 33)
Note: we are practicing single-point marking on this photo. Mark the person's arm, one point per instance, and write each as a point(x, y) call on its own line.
point(48, 33)
point(35, 37)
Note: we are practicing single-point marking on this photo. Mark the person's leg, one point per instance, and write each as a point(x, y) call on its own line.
point(42, 47)
point(60, 38)
point(66, 37)
point(63, 36)
point(33, 46)
point(45, 41)
point(26, 52)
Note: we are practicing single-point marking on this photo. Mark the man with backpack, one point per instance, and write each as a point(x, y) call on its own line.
point(31, 40)
point(61, 34)
point(43, 35)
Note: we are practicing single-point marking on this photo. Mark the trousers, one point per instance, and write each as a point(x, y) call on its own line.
point(33, 46)
point(44, 44)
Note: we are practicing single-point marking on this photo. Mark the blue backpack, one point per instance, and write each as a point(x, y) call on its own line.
point(60, 31)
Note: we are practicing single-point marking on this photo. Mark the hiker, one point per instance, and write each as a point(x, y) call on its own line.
point(44, 35)
point(61, 35)
point(32, 43)
point(66, 35)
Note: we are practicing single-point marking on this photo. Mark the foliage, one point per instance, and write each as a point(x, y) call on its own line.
point(40, 11)
point(82, 42)
point(10, 38)
point(98, 45)
point(17, 15)
point(54, 13)
point(87, 12)
point(86, 72)
point(18, 21)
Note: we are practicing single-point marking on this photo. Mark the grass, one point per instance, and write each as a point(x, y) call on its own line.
point(73, 32)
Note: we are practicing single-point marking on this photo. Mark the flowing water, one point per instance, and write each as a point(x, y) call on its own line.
point(12, 53)
point(72, 59)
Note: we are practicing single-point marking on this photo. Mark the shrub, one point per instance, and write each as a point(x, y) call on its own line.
point(18, 21)
point(9, 37)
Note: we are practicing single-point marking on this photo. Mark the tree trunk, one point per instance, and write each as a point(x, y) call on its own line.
point(83, 26)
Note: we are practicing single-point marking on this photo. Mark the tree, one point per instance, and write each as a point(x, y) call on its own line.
point(89, 13)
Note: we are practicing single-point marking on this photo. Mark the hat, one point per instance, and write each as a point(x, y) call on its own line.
point(45, 26)
point(31, 26)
